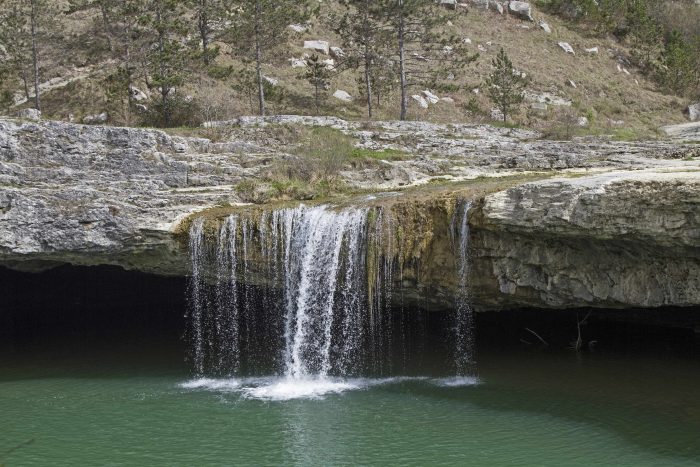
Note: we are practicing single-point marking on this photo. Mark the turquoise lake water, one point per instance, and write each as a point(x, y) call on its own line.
point(140, 407)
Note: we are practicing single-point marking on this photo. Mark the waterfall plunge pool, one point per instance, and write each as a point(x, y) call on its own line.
point(92, 373)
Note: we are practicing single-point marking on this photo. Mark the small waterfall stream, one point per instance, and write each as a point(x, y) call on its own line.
point(464, 320)
point(304, 291)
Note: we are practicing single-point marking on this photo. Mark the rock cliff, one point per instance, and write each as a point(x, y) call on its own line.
point(559, 224)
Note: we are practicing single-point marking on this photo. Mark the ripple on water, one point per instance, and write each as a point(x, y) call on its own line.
point(457, 381)
point(283, 388)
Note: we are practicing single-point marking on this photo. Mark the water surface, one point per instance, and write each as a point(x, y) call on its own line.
point(140, 407)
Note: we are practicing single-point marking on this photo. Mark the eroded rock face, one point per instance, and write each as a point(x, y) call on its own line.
point(614, 240)
point(622, 230)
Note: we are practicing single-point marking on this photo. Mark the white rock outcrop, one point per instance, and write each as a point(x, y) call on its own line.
point(430, 97)
point(30, 114)
point(521, 10)
point(342, 95)
point(318, 46)
point(422, 102)
point(96, 119)
point(337, 52)
point(566, 47)
point(693, 112)
point(298, 28)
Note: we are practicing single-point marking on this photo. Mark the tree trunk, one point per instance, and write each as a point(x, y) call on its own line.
point(402, 64)
point(25, 82)
point(35, 54)
point(316, 86)
point(106, 25)
point(368, 87)
point(127, 69)
point(258, 60)
point(203, 23)
point(368, 60)
point(164, 90)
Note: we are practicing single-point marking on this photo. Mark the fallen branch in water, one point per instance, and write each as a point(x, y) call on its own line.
point(537, 336)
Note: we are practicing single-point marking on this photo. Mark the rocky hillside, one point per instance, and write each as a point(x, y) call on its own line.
point(574, 73)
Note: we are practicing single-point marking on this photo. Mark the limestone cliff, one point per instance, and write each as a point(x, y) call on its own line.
point(619, 226)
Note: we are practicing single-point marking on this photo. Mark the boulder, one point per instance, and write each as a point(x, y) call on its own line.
point(545, 27)
point(270, 81)
point(318, 46)
point(547, 98)
point(330, 63)
point(430, 97)
point(483, 4)
point(452, 4)
point(137, 94)
point(566, 47)
point(497, 114)
point(342, 95)
point(337, 52)
point(298, 28)
point(30, 114)
point(693, 112)
point(582, 121)
point(96, 119)
point(420, 100)
point(521, 10)
point(592, 50)
point(497, 6)
point(297, 62)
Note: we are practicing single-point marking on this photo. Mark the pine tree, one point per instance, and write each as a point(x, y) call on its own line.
point(423, 54)
point(645, 30)
point(125, 34)
point(505, 86)
point(318, 75)
point(259, 28)
point(24, 24)
point(366, 37)
point(16, 44)
point(211, 15)
point(678, 71)
point(167, 53)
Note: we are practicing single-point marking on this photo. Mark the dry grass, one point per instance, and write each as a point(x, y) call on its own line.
point(603, 93)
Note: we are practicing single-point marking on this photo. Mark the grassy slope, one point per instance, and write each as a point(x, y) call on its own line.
point(603, 92)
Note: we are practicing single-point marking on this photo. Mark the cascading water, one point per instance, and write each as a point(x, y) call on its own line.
point(313, 269)
point(306, 293)
point(463, 327)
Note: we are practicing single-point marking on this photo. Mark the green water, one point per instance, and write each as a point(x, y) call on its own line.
point(527, 409)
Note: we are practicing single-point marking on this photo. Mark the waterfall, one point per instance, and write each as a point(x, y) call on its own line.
point(313, 268)
point(196, 296)
point(463, 326)
point(307, 292)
